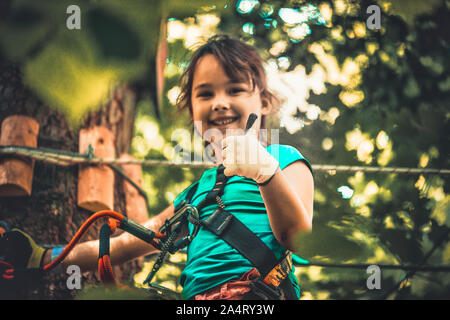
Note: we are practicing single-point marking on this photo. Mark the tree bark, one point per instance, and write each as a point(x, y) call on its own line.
point(51, 215)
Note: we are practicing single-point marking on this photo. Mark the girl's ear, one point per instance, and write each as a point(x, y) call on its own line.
point(266, 106)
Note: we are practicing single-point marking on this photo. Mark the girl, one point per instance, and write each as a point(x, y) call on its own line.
point(269, 190)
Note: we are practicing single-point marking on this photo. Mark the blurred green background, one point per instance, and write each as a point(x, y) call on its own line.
point(350, 96)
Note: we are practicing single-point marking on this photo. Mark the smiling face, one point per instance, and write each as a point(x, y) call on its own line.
point(223, 104)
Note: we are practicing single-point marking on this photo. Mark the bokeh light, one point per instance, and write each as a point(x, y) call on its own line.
point(248, 28)
point(346, 192)
point(246, 6)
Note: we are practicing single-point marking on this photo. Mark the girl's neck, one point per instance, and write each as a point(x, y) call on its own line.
point(217, 153)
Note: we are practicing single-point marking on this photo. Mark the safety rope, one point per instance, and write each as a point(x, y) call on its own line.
point(80, 233)
point(67, 158)
point(116, 220)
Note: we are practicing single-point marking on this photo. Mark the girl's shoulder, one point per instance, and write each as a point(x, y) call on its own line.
point(206, 181)
point(286, 154)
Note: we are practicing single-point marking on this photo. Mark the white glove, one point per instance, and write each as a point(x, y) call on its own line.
point(245, 156)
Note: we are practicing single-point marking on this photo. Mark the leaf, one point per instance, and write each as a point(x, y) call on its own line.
point(114, 37)
point(326, 242)
point(403, 245)
point(409, 10)
point(68, 79)
point(21, 31)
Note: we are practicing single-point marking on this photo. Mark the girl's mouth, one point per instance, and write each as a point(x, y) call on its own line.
point(224, 121)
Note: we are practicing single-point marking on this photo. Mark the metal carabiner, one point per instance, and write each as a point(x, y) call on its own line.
point(177, 217)
point(189, 212)
point(194, 218)
point(182, 211)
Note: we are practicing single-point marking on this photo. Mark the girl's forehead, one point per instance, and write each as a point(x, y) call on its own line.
point(208, 65)
point(209, 68)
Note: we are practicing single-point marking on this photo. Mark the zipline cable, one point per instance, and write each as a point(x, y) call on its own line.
point(67, 158)
point(414, 268)
point(359, 266)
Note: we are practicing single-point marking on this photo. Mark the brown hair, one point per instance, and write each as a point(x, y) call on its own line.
point(240, 61)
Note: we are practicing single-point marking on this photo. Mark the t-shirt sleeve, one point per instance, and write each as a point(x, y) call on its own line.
point(182, 196)
point(286, 155)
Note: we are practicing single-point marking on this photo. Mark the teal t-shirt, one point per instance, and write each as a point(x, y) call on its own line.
point(210, 260)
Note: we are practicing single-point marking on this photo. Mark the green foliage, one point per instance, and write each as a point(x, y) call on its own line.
point(75, 70)
point(380, 98)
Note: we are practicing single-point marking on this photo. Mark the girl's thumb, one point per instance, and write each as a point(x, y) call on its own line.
point(250, 123)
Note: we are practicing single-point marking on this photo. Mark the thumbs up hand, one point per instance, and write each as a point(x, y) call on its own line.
point(245, 156)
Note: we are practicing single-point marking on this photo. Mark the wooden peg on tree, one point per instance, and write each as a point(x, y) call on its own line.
point(16, 174)
point(136, 205)
point(96, 182)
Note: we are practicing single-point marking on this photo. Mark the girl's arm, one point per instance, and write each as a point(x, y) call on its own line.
point(289, 199)
point(123, 248)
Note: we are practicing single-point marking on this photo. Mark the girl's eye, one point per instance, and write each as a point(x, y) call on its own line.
point(204, 94)
point(236, 90)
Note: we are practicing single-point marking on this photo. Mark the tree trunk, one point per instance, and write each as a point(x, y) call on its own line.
point(51, 215)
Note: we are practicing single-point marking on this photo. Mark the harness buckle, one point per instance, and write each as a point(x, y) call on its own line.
point(265, 291)
point(218, 221)
point(280, 271)
point(269, 287)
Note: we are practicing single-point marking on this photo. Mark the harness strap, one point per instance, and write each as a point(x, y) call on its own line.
point(237, 235)
point(217, 190)
point(274, 273)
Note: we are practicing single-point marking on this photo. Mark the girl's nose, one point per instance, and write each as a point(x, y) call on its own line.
point(220, 106)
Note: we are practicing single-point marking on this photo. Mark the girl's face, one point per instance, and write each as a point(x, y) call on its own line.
point(222, 104)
